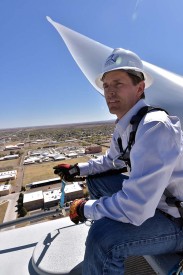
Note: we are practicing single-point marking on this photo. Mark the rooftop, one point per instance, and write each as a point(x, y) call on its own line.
point(72, 187)
point(4, 187)
point(51, 195)
point(44, 248)
point(57, 247)
point(32, 196)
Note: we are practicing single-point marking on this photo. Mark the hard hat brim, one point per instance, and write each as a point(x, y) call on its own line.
point(148, 78)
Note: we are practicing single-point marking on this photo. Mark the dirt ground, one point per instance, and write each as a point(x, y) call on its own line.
point(9, 163)
point(3, 207)
point(44, 171)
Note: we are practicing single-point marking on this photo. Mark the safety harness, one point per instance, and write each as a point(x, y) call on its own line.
point(125, 156)
point(135, 120)
point(125, 153)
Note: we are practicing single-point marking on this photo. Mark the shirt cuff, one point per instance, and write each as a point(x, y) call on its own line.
point(84, 168)
point(88, 209)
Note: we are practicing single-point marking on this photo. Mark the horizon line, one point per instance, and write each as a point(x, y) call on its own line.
point(52, 125)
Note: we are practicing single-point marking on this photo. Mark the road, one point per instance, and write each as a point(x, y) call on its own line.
point(20, 174)
point(11, 213)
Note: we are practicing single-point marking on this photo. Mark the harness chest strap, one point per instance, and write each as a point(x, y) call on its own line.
point(135, 120)
point(125, 153)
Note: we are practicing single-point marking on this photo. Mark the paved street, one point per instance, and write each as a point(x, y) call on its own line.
point(20, 174)
point(11, 213)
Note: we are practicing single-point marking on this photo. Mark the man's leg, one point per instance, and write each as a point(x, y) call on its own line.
point(104, 186)
point(110, 242)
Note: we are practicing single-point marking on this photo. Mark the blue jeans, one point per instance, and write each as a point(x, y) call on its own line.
point(110, 242)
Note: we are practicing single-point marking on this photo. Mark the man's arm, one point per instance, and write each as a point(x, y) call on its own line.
point(105, 162)
point(153, 158)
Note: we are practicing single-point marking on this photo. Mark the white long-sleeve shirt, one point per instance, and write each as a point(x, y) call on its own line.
point(156, 163)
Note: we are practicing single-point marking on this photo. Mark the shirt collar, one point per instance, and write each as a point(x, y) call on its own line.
point(123, 123)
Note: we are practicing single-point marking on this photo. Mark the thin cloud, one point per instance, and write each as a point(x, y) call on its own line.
point(135, 13)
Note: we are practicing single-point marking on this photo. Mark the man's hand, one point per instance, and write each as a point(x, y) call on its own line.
point(77, 211)
point(66, 171)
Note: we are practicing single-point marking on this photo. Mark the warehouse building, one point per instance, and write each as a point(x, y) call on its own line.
point(8, 175)
point(11, 147)
point(93, 149)
point(51, 198)
point(33, 200)
point(5, 189)
point(73, 191)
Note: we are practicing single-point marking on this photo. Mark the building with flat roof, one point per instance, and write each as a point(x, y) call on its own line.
point(11, 147)
point(8, 175)
point(57, 156)
point(41, 183)
point(5, 189)
point(93, 149)
point(72, 154)
point(15, 156)
point(73, 191)
point(51, 198)
point(33, 200)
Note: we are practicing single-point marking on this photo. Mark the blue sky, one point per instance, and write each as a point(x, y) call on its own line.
point(40, 83)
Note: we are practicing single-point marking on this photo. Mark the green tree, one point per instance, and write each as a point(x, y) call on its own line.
point(20, 199)
point(19, 206)
point(23, 212)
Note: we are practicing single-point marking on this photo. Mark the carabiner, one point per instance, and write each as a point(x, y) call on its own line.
point(114, 160)
point(89, 222)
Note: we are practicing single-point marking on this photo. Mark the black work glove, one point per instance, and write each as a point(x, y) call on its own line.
point(77, 211)
point(66, 171)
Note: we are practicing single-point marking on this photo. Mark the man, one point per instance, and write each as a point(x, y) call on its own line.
point(131, 216)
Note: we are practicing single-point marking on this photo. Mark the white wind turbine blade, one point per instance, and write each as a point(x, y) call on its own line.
point(88, 54)
point(166, 90)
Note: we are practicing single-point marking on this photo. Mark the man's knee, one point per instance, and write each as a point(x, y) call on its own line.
point(94, 237)
point(97, 239)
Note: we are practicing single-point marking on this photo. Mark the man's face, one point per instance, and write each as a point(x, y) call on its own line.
point(120, 92)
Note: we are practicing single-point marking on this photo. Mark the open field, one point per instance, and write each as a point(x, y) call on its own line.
point(3, 208)
point(82, 134)
point(4, 164)
point(44, 171)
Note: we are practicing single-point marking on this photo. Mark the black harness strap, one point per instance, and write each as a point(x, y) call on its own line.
point(125, 154)
point(173, 201)
point(135, 120)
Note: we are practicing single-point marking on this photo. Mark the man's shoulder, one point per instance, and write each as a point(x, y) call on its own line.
point(156, 115)
point(160, 118)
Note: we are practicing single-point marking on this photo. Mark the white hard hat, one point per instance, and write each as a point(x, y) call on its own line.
point(125, 60)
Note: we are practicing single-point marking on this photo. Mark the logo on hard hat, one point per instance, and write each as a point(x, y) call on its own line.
point(113, 59)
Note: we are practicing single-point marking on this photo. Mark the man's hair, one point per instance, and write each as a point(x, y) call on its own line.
point(136, 80)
